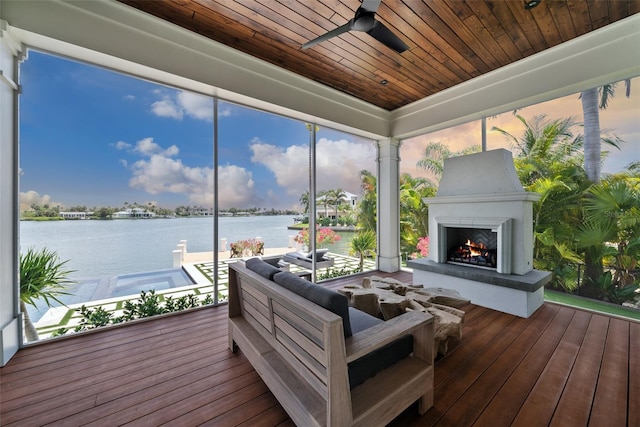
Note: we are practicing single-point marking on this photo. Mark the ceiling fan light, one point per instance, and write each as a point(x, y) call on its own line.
point(530, 4)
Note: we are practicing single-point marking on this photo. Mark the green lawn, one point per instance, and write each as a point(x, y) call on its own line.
point(589, 304)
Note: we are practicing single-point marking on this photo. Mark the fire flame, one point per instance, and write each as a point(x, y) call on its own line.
point(474, 248)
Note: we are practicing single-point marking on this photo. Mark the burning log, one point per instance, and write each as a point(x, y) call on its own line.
point(474, 253)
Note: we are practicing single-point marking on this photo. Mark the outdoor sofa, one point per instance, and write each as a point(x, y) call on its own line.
point(328, 364)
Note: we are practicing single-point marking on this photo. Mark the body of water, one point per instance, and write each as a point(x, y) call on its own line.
point(121, 257)
point(97, 248)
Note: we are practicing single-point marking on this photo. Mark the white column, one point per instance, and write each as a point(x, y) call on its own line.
point(388, 206)
point(10, 324)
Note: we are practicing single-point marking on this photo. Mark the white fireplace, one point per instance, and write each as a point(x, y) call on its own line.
point(482, 192)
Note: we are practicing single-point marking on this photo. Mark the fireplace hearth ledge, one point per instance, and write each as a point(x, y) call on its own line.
point(520, 295)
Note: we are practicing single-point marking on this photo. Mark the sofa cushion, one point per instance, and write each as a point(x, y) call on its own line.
point(369, 365)
point(324, 297)
point(261, 267)
point(361, 320)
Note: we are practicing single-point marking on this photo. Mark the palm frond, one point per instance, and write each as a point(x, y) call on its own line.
point(42, 275)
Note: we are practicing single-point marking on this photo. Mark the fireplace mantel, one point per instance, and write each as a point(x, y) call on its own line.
point(481, 198)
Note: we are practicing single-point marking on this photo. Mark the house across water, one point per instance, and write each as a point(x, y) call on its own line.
point(133, 213)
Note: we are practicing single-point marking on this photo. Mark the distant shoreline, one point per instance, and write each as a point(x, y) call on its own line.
point(94, 218)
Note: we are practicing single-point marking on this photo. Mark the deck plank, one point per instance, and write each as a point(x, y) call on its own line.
point(538, 408)
point(461, 412)
point(610, 402)
point(560, 365)
point(576, 402)
point(505, 404)
point(633, 397)
point(473, 402)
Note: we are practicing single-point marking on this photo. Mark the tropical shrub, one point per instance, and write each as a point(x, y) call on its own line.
point(349, 220)
point(324, 236)
point(367, 207)
point(611, 234)
point(423, 246)
point(149, 304)
point(43, 277)
point(414, 213)
point(363, 244)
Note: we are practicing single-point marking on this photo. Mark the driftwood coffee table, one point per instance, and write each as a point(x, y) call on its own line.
point(387, 298)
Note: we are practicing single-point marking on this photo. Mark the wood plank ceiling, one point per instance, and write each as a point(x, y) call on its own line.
point(450, 41)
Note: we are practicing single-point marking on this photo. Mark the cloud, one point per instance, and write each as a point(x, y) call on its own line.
point(147, 147)
point(225, 111)
point(167, 108)
point(121, 145)
point(338, 164)
point(196, 106)
point(129, 97)
point(33, 197)
point(236, 187)
point(182, 104)
point(159, 172)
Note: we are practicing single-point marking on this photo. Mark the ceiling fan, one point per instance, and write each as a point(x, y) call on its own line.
point(365, 21)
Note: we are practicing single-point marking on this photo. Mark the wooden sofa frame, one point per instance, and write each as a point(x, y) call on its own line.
point(299, 350)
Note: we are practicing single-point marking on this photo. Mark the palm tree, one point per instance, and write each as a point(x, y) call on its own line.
point(304, 201)
point(611, 230)
point(435, 154)
point(42, 277)
point(542, 145)
point(363, 244)
point(336, 197)
point(549, 162)
point(591, 106)
point(324, 200)
point(367, 207)
point(594, 100)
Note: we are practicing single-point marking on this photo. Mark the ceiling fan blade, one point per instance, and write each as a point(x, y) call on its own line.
point(370, 5)
point(336, 32)
point(387, 37)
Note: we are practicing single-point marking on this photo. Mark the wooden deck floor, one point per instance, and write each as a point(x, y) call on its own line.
point(561, 367)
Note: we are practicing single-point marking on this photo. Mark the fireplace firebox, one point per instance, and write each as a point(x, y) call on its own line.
point(472, 246)
point(490, 236)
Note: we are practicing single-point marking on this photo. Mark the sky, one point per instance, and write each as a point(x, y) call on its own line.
point(93, 137)
point(622, 117)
